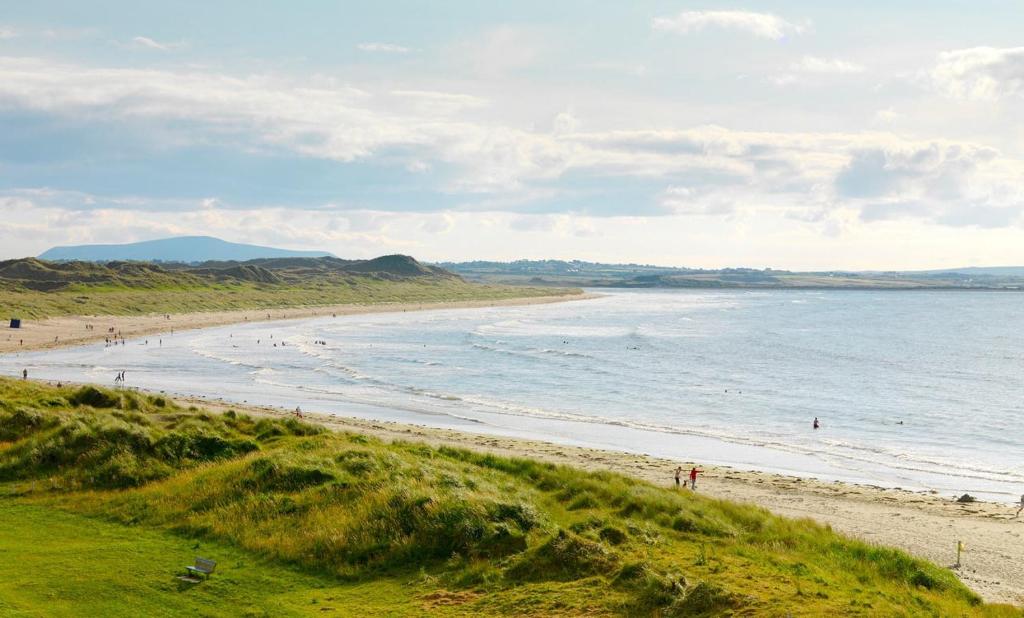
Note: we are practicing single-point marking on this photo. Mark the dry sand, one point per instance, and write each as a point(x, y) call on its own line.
point(928, 526)
point(74, 330)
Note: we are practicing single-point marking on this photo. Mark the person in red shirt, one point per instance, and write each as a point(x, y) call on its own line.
point(693, 477)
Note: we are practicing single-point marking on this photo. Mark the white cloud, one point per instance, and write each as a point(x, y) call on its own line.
point(634, 69)
point(501, 50)
point(980, 73)
point(813, 64)
point(387, 48)
point(440, 223)
point(441, 103)
point(764, 25)
point(148, 43)
point(565, 122)
point(492, 166)
point(7, 33)
point(887, 116)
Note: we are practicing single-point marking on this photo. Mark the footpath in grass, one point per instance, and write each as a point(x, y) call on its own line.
point(54, 563)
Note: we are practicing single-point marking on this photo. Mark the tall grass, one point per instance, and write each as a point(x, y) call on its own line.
point(197, 296)
point(529, 537)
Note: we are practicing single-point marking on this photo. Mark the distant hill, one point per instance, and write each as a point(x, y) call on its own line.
point(987, 271)
point(592, 274)
point(43, 275)
point(187, 249)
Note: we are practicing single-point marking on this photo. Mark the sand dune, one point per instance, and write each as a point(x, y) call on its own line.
point(925, 525)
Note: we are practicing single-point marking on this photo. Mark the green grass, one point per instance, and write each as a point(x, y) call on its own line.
point(400, 528)
point(83, 299)
point(54, 563)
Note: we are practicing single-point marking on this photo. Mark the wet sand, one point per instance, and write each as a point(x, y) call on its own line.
point(75, 330)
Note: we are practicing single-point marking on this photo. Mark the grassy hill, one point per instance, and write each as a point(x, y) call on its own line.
point(109, 493)
point(34, 289)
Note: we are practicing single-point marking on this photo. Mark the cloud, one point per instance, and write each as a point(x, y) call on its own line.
point(887, 116)
point(634, 69)
point(687, 201)
point(934, 170)
point(441, 103)
point(7, 33)
point(386, 48)
point(813, 64)
point(148, 43)
point(980, 73)
point(763, 25)
point(565, 122)
point(501, 50)
point(949, 184)
point(440, 223)
point(449, 160)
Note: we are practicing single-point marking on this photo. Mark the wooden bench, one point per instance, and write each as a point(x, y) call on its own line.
point(202, 569)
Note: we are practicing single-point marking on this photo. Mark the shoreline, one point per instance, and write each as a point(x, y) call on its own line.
point(68, 331)
point(921, 524)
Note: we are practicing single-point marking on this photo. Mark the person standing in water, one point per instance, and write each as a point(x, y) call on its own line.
point(816, 423)
point(693, 477)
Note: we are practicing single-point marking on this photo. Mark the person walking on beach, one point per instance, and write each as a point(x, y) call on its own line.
point(24, 374)
point(679, 475)
point(693, 477)
point(1021, 508)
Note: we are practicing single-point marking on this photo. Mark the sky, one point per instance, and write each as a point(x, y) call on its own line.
point(797, 135)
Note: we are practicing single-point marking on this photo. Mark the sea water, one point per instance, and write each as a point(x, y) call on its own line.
point(915, 389)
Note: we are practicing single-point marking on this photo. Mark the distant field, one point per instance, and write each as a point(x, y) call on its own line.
point(105, 495)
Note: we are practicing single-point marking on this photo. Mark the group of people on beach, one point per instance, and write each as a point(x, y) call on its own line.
point(694, 471)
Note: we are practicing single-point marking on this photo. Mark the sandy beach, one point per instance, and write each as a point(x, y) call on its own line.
point(925, 525)
point(77, 330)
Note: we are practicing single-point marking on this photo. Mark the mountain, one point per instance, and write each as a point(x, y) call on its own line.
point(187, 249)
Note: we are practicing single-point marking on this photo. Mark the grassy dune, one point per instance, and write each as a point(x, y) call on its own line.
point(120, 300)
point(35, 289)
point(353, 524)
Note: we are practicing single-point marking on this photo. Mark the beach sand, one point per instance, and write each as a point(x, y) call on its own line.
point(72, 330)
point(924, 525)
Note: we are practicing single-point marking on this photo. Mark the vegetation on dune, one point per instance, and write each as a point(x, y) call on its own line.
point(35, 289)
point(458, 532)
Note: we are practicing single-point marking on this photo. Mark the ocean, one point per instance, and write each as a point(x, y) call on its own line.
point(914, 389)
